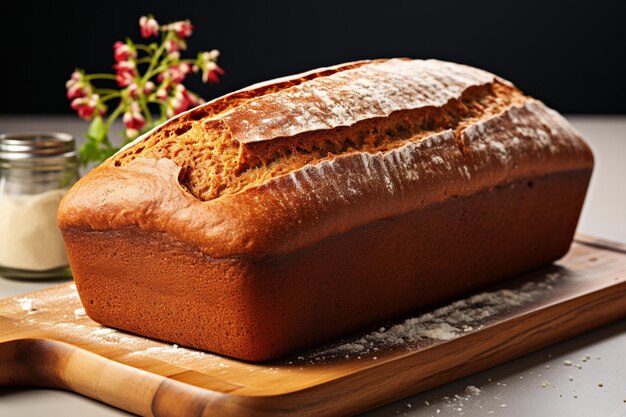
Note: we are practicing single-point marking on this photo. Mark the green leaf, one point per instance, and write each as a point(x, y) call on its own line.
point(89, 152)
point(107, 153)
point(97, 130)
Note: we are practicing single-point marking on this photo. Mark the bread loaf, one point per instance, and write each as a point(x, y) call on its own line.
point(304, 208)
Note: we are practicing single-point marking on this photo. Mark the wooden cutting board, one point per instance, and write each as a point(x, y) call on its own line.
point(52, 344)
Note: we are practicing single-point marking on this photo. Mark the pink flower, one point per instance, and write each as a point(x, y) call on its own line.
point(77, 86)
point(133, 119)
point(161, 93)
point(183, 28)
point(87, 107)
point(176, 106)
point(182, 100)
point(149, 26)
point(178, 103)
point(211, 73)
point(133, 89)
point(210, 70)
point(173, 56)
point(76, 91)
point(148, 87)
point(176, 73)
point(190, 98)
point(175, 45)
point(75, 78)
point(123, 52)
point(126, 73)
point(194, 100)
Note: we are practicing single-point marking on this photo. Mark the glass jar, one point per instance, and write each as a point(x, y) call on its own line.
point(36, 168)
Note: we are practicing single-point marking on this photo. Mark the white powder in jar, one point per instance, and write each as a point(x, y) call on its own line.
point(30, 238)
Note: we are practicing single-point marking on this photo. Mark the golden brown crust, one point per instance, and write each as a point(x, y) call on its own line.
point(477, 184)
point(318, 201)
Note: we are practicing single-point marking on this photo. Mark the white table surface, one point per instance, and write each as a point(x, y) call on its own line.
point(512, 389)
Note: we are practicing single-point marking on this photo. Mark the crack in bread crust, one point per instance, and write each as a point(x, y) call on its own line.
point(214, 165)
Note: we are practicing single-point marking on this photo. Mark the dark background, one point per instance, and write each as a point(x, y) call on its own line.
point(569, 54)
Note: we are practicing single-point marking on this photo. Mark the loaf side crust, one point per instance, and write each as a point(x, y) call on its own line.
point(262, 309)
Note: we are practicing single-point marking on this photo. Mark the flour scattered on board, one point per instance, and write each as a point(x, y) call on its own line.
point(443, 324)
point(27, 304)
point(466, 400)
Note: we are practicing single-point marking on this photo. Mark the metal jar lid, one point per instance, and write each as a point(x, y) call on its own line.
point(44, 147)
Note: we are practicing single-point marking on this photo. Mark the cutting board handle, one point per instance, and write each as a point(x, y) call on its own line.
point(33, 362)
point(54, 364)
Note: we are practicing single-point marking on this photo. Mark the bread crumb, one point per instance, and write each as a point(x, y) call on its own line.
point(568, 363)
point(80, 312)
point(471, 389)
point(545, 384)
point(426, 402)
point(408, 405)
point(502, 405)
point(571, 378)
point(600, 384)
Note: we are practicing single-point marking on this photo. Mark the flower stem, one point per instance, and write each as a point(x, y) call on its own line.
point(100, 77)
point(114, 115)
point(144, 48)
point(155, 59)
point(109, 97)
point(145, 109)
point(109, 91)
point(110, 121)
point(155, 71)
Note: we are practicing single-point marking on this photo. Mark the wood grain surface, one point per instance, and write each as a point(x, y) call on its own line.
point(54, 345)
